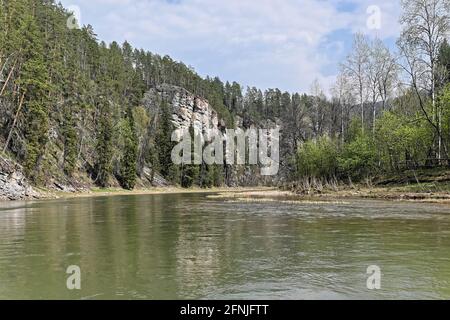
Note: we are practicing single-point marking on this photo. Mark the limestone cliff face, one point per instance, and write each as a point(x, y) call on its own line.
point(187, 109)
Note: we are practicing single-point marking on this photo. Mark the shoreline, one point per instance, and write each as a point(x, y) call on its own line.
point(111, 192)
point(261, 193)
point(339, 196)
point(392, 193)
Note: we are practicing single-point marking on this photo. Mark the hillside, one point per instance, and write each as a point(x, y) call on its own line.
point(77, 112)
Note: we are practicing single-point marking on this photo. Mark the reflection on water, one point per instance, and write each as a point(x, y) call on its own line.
point(190, 246)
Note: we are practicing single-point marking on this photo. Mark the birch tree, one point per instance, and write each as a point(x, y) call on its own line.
point(426, 24)
point(355, 67)
point(381, 76)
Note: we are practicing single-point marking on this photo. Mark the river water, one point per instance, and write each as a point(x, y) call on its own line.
point(192, 246)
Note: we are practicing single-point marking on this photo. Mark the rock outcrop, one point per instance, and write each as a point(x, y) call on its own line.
point(190, 110)
point(13, 184)
point(187, 109)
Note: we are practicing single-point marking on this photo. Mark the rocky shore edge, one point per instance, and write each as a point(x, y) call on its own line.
point(15, 186)
point(13, 183)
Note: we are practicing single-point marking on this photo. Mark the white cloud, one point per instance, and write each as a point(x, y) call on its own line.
point(266, 43)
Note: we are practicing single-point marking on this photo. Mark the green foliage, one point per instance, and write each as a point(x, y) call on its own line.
point(190, 175)
point(444, 104)
point(206, 176)
point(36, 134)
point(402, 141)
point(317, 158)
point(174, 174)
point(60, 72)
point(104, 149)
point(211, 176)
point(163, 140)
point(444, 63)
point(191, 172)
point(70, 142)
point(34, 79)
point(129, 159)
point(358, 158)
point(354, 129)
point(217, 175)
point(216, 97)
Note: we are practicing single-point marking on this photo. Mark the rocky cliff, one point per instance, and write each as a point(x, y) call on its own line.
point(187, 109)
point(13, 184)
point(190, 110)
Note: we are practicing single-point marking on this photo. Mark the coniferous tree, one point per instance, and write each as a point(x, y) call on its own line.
point(34, 79)
point(191, 172)
point(70, 142)
point(217, 175)
point(53, 121)
point(129, 161)
point(163, 140)
point(104, 147)
point(444, 63)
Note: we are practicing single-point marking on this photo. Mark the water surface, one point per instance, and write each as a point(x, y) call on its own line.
point(189, 246)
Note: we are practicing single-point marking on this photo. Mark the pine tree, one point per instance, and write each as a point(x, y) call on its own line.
point(72, 96)
point(444, 63)
point(174, 174)
point(206, 176)
point(129, 160)
point(163, 140)
point(70, 142)
point(34, 78)
point(191, 172)
point(217, 175)
point(103, 167)
point(3, 15)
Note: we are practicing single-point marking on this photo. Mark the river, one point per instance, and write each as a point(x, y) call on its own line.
point(192, 246)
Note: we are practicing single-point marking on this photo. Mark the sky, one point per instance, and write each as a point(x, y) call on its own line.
point(285, 44)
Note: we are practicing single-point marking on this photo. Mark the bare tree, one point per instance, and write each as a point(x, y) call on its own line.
point(355, 68)
point(389, 75)
point(426, 24)
point(342, 93)
point(381, 75)
point(318, 109)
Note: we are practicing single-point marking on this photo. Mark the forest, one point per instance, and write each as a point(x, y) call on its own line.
point(71, 105)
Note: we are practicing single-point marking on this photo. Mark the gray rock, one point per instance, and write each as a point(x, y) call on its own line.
point(13, 184)
point(190, 110)
point(187, 109)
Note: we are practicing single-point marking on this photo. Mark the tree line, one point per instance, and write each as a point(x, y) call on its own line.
point(393, 106)
point(71, 104)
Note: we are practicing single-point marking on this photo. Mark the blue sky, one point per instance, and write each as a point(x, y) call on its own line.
point(263, 43)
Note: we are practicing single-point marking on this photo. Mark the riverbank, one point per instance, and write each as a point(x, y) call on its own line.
point(268, 194)
point(342, 194)
point(422, 185)
point(46, 194)
point(431, 186)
